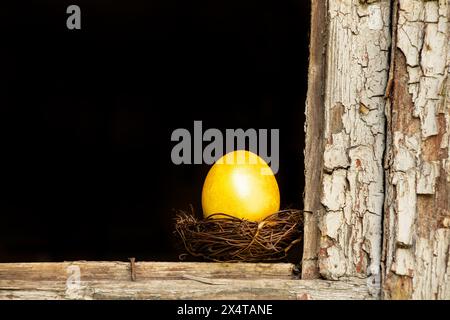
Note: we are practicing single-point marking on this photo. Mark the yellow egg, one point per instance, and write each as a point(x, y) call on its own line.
point(242, 185)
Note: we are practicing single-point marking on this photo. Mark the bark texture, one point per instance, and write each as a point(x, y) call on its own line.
point(352, 192)
point(168, 280)
point(417, 207)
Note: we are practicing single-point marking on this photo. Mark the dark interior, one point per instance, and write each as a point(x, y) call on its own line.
point(86, 116)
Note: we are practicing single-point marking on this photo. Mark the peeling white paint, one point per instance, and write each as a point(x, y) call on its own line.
point(375, 18)
point(426, 180)
point(352, 192)
point(330, 264)
point(417, 242)
point(432, 280)
point(334, 185)
point(335, 154)
point(332, 223)
point(404, 262)
point(405, 184)
point(423, 39)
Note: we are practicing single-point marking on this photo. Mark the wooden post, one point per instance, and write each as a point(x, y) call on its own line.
point(417, 207)
point(350, 186)
point(315, 119)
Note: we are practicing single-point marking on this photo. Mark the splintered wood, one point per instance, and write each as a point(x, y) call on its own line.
point(417, 237)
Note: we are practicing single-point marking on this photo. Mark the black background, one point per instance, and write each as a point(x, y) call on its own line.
point(86, 115)
point(281, 309)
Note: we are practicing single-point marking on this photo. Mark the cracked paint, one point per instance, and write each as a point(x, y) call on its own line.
point(417, 243)
point(352, 188)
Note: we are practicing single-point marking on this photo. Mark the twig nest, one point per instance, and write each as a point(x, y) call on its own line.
point(222, 237)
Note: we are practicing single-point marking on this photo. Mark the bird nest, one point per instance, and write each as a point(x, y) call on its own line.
point(221, 237)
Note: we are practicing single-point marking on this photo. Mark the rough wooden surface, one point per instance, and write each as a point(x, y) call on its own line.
point(352, 190)
point(168, 280)
point(417, 207)
point(121, 271)
point(315, 117)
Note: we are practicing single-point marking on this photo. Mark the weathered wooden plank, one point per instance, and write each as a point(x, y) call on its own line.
point(314, 141)
point(417, 208)
point(189, 289)
point(121, 271)
point(154, 280)
point(357, 64)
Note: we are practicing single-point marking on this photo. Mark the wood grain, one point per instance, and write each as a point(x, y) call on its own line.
point(352, 191)
point(416, 245)
point(168, 280)
point(314, 143)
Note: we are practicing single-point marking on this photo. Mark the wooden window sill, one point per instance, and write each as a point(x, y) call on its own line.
point(169, 280)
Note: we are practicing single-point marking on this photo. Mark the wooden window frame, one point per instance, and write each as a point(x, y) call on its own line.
point(363, 257)
point(184, 280)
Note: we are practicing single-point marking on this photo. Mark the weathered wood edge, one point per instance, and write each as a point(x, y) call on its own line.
point(314, 147)
point(416, 247)
point(122, 271)
point(168, 280)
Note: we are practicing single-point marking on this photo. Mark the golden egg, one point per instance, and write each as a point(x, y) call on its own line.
point(241, 184)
